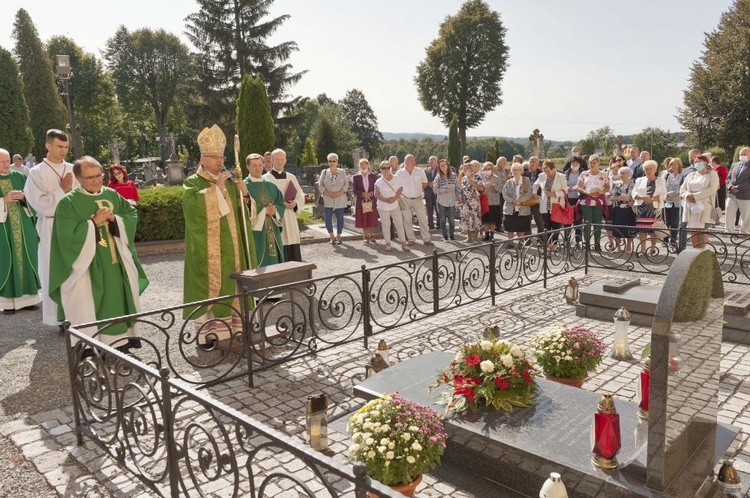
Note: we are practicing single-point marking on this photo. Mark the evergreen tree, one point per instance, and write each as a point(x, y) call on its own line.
point(15, 135)
point(92, 96)
point(254, 121)
point(308, 157)
point(493, 153)
point(454, 145)
point(45, 106)
point(719, 84)
point(364, 122)
point(464, 66)
point(231, 40)
point(325, 142)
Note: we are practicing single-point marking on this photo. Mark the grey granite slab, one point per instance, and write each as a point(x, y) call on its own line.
point(519, 449)
point(618, 287)
point(640, 299)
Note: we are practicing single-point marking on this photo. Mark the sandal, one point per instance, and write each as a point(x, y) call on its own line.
point(405, 247)
point(388, 247)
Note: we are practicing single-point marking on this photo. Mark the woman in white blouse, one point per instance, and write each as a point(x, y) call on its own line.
point(593, 184)
point(698, 194)
point(554, 187)
point(649, 194)
point(333, 184)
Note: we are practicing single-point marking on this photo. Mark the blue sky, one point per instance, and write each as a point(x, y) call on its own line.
point(575, 65)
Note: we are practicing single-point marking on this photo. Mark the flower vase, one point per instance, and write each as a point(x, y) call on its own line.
point(567, 381)
point(404, 489)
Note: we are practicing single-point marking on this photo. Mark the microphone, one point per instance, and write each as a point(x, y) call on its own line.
point(225, 170)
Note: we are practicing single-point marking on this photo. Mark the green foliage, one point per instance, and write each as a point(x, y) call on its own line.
point(364, 123)
point(15, 135)
point(45, 106)
point(660, 143)
point(308, 156)
point(572, 352)
point(231, 38)
point(254, 121)
point(464, 67)
point(160, 214)
point(325, 139)
point(719, 84)
point(494, 153)
point(98, 116)
point(737, 150)
point(602, 140)
point(454, 144)
point(718, 151)
point(149, 69)
point(476, 148)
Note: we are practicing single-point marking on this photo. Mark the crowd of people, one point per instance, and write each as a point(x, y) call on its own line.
point(640, 202)
point(81, 252)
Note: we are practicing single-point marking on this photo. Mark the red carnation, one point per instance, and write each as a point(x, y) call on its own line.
point(527, 377)
point(473, 360)
point(467, 392)
point(502, 383)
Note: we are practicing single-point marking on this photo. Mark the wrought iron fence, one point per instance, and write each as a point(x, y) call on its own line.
point(181, 442)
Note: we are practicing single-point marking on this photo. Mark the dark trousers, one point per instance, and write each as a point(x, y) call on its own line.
point(573, 201)
point(431, 205)
point(551, 225)
point(672, 219)
point(499, 220)
point(538, 218)
point(721, 197)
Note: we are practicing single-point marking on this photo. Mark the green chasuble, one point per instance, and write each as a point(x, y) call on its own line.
point(266, 231)
point(18, 247)
point(214, 243)
point(92, 268)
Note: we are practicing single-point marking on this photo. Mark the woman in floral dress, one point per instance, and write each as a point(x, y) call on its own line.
point(470, 187)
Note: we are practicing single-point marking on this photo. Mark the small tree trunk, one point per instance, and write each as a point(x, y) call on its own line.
point(462, 137)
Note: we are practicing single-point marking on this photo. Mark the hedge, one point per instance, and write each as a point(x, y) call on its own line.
point(160, 214)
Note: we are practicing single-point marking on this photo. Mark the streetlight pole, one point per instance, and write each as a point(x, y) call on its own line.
point(63, 73)
point(701, 121)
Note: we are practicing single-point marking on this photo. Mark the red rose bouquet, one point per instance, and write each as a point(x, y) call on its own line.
point(493, 373)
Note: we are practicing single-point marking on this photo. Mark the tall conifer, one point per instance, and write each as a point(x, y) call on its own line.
point(15, 135)
point(45, 105)
point(254, 121)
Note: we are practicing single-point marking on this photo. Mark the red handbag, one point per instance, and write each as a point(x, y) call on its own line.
point(563, 213)
point(484, 204)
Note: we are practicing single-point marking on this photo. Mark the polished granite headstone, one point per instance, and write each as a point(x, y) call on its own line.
point(519, 449)
point(685, 358)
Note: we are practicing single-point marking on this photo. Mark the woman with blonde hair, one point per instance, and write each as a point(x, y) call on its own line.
point(698, 193)
point(517, 190)
point(649, 194)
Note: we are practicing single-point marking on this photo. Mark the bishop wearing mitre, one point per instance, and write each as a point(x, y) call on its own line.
point(216, 243)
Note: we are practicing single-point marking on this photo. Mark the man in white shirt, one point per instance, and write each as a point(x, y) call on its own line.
point(289, 227)
point(48, 182)
point(413, 180)
point(18, 165)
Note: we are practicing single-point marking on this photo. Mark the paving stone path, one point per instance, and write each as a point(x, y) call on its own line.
point(39, 456)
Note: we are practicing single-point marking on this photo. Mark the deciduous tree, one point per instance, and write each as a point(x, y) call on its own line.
point(45, 105)
point(149, 70)
point(15, 135)
point(464, 67)
point(720, 82)
point(364, 122)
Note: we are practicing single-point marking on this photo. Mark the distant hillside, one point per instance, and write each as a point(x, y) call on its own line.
point(419, 136)
point(410, 136)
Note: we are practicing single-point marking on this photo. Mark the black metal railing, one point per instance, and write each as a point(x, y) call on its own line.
point(181, 442)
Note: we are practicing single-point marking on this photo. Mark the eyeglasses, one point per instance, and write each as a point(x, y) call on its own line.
point(95, 177)
point(332, 162)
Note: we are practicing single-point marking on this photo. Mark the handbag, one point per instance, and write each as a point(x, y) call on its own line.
point(320, 200)
point(484, 204)
point(562, 213)
point(367, 206)
point(402, 204)
point(715, 213)
point(531, 202)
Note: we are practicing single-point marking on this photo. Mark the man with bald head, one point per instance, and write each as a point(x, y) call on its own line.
point(19, 279)
point(413, 180)
point(738, 193)
point(294, 201)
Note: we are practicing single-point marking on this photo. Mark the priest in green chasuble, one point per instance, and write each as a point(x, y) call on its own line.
point(266, 212)
point(19, 278)
point(216, 243)
point(94, 269)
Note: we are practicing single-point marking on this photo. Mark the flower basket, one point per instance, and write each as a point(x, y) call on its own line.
point(397, 439)
point(490, 373)
point(570, 353)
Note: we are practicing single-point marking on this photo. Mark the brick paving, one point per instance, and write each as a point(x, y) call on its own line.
point(47, 441)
